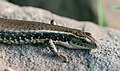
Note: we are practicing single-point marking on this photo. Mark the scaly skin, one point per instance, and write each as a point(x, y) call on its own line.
point(29, 32)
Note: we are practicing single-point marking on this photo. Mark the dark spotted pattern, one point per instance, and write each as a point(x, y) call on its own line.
point(20, 37)
point(31, 37)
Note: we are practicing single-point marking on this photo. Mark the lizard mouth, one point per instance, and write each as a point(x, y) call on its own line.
point(84, 46)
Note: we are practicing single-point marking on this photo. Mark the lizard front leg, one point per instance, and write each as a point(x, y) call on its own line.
point(55, 51)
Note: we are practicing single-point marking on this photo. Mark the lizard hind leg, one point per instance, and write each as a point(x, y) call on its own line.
point(52, 22)
point(55, 51)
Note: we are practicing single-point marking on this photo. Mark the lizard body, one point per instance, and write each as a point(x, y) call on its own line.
point(28, 32)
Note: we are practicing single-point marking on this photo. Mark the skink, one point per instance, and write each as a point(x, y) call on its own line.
point(29, 32)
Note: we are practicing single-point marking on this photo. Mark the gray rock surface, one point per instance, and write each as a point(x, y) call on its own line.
point(34, 58)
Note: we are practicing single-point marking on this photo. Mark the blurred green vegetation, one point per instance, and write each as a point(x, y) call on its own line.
point(116, 8)
point(100, 13)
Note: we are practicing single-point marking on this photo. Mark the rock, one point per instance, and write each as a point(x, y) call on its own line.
point(81, 10)
point(34, 58)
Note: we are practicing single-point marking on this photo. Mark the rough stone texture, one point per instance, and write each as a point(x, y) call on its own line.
point(33, 58)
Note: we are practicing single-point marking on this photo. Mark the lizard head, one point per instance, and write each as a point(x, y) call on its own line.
point(81, 42)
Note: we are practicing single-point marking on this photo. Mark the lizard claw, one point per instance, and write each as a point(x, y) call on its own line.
point(62, 56)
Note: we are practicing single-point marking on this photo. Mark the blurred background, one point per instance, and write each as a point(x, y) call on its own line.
point(98, 11)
